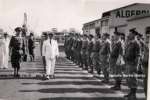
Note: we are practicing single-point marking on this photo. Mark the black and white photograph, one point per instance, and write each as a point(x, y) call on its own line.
point(74, 49)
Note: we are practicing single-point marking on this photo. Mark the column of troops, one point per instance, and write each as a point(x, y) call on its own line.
point(118, 55)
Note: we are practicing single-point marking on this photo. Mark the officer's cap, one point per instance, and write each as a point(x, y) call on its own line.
point(90, 35)
point(5, 33)
point(140, 35)
point(85, 35)
point(50, 33)
point(18, 29)
point(106, 34)
point(117, 33)
point(122, 34)
point(133, 31)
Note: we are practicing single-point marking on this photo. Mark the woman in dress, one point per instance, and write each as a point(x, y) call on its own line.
point(1, 51)
point(6, 41)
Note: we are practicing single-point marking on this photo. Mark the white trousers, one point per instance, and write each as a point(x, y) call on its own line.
point(50, 66)
point(5, 60)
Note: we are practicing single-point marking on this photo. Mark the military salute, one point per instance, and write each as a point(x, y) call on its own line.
point(117, 56)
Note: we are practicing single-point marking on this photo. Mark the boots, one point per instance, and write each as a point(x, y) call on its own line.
point(131, 95)
point(117, 85)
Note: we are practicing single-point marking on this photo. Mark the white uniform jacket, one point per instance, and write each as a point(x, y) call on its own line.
point(50, 50)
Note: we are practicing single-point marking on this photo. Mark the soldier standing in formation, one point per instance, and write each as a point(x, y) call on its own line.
point(83, 52)
point(118, 55)
point(104, 56)
point(95, 52)
point(89, 52)
point(132, 52)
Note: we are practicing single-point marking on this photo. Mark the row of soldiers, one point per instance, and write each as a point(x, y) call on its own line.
point(116, 55)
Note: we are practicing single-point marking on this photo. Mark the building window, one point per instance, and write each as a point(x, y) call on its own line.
point(105, 23)
point(147, 35)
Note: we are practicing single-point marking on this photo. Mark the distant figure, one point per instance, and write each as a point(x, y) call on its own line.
point(5, 46)
point(50, 51)
point(25, 44)
point(16, 51)
point(1, 53)
point(43, 38)
point(31, 46)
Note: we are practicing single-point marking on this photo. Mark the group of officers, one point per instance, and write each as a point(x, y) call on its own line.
point(107, 55)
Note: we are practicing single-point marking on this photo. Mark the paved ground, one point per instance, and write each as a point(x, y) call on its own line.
point(71, 83)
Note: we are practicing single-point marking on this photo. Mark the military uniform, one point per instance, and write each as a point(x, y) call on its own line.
point(116, 51)
point(145, 67)
point(74, 48)
point(66, 43)
point(95, 54)
point(83, 52)
point(79, 46)
point(89, 52)
point(132, 52)
point(104, 58)
point(16, 47)
point(70, 44)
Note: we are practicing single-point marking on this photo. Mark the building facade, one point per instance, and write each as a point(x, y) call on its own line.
point(122, 19)
point(92, 27)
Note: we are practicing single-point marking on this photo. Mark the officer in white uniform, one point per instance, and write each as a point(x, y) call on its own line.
point(51, 52)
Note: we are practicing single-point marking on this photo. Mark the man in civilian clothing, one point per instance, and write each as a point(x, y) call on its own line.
point(51, 52)
point(132, 52)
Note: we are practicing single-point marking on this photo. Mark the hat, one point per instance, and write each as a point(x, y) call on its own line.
point(133, 31)
point(31, 34)
point(50, 33)
point(106, 34)
point(90, 35)
point(122, 34)
point(85, 35)
point(140, 35)
point(18, 29)
point(5, 33)
point(117, 33)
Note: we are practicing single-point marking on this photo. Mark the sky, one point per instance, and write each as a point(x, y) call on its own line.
point(42, 15)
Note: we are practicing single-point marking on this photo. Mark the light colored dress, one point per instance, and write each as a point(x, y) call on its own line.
point(5, 52)
point(1, 53)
